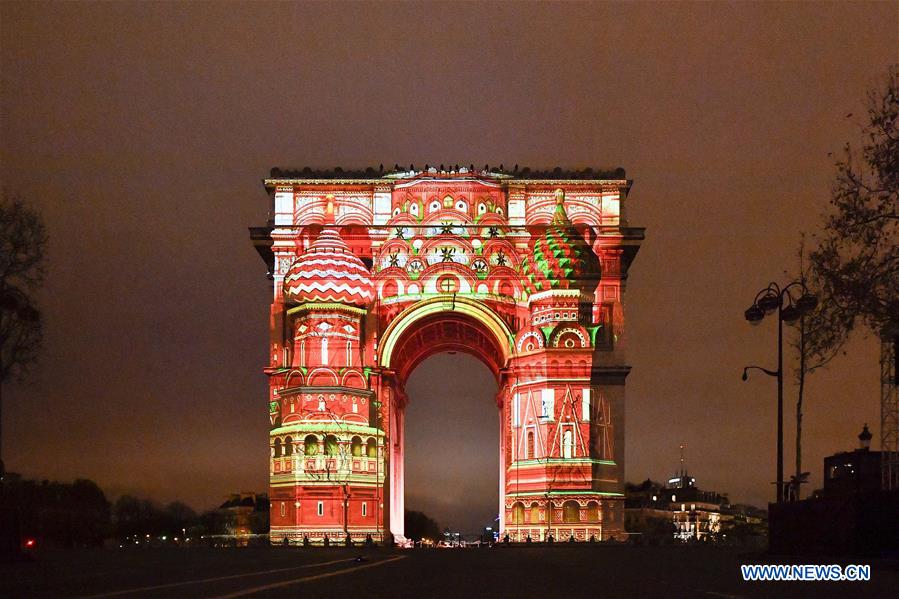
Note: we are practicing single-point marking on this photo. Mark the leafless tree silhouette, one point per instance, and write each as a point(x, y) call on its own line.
point(22, 241)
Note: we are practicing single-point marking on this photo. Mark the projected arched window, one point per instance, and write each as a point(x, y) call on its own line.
point(331, 445)
point(277, 448)
point(518, 513)
point(310, 445)
point(356, 447)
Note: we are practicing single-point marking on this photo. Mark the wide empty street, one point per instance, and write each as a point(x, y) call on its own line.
point(561, 571)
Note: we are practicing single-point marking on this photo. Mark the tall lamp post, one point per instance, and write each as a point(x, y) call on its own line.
point(790, 302)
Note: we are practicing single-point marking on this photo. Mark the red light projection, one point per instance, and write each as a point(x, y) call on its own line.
point(373, 274)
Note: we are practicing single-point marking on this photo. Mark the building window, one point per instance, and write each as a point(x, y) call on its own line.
point(321, 508)
point(310, 445)
point(535, 513)
point(570, 512)
point(448, 284)
point(592, 512)
point(389, 289)
point(371, 448)
point(364, 509)
point(585, 405)
point(529, 446)
point(518, 513)
point(288, 446)
point(547, 405)
point(283, 509)
point(303, 353)
point(277, 448)
point(356, 447)
point(349, 353)
point(331, 445)
point(604, 429)
point(324, 351)
point(567, 444)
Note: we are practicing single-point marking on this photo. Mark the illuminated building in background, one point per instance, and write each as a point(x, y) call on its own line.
point(696, 514)
point(375, 272)
point(241, 517)
point(679, 511)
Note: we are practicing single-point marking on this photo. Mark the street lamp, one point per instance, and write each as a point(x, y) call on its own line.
point(790, 302)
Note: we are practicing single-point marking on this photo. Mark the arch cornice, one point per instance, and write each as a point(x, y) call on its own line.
point(445, 303)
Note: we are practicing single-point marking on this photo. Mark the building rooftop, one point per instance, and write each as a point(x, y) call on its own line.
point(449, 171)
point(246, 499)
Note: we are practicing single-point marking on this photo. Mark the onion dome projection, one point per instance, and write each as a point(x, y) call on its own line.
point(329, 272)
point(560, 258)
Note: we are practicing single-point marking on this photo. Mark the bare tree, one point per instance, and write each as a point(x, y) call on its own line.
point(820, 337)
point(858, 255)
point(22, 241)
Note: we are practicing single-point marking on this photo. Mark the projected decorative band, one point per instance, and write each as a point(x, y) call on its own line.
point(374, 272)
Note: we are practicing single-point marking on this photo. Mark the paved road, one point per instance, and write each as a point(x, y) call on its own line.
point(561, 571)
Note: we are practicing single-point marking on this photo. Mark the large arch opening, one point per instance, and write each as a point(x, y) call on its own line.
point(452, 328)
point(452, 463)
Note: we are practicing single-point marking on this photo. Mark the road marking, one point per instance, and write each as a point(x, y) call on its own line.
point(216, 579)
point(276, 585)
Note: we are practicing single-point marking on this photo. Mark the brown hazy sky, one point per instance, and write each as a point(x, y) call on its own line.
point(142, 131)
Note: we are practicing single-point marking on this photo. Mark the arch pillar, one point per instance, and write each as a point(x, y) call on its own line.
point(396, 495)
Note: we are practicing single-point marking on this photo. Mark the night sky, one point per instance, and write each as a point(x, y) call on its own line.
point(142, 132)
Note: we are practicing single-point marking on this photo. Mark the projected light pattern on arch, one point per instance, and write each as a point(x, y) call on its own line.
point(373, 273)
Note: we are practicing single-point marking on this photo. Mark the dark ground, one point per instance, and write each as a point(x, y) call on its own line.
point(584, 571)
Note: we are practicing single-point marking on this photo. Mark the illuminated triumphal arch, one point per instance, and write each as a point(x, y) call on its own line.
point(374, 272)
